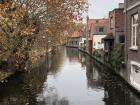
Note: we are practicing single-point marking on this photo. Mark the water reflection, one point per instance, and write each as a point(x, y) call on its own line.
point(67, 78)
point(49, 96)
point(72, 55)
point(22, 89)
point(93, 77)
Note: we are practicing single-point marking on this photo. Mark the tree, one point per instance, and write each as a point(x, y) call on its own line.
point(62, 14)
point(24, 21)
point(56, 15)
point(17, 29)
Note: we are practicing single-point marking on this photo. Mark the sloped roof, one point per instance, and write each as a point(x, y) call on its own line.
point(93, 25)
point(76, 34)
point(99, 21)
point(109, 37)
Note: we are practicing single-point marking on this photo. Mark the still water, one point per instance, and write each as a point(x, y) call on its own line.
point(67, 78)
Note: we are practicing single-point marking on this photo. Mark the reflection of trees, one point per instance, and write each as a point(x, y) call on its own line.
point(23, 88)
point(12, 92)
point(57, 61)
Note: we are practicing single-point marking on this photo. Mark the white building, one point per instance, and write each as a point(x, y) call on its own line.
point(82, 42)
point(99, 28)
point(97, 42)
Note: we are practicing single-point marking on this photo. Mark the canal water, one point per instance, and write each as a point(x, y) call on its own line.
point(67, 78)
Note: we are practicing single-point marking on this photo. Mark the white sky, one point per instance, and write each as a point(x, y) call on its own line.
point(100, 8)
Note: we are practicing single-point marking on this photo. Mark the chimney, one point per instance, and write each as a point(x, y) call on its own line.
point(121, 5)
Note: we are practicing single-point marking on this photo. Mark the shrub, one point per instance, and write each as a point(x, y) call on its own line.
point(116, 56)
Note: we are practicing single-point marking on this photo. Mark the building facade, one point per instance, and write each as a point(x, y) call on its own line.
point(82, 43)
point(132, 31)
point(99, 29)
point(74, 39)
point(116, 35)
point(116, 18)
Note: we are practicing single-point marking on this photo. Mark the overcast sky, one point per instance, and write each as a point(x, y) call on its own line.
point(100, 8)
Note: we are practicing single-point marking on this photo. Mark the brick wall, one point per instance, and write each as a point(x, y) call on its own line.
point(118, 19)
point(132, 55)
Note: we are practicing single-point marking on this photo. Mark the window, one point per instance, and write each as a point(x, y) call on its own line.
point(99, 42)
point(134, 31)
point(76, 42)
point(121, 39)
point(97, 21)
point(135, 74)
point(84, 41)
point(101, 29)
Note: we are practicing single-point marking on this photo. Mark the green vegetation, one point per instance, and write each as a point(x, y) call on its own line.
point(97, 53)
point(117, 57)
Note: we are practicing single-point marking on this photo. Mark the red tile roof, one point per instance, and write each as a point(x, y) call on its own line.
point(76, 34)
point(99, 21)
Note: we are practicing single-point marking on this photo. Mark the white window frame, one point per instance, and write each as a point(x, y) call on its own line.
point(134, 25)
point(133, 82)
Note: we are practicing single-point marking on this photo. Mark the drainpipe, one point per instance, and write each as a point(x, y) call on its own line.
point(125, 31)
point(87, 35)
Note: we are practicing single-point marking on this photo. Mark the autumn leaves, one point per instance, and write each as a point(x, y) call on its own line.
point(22, 21)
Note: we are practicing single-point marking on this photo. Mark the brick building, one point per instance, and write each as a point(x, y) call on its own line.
point(74, 39)
point(132, 30)
point(116, 18)
point(116, 36)
point(97, 29)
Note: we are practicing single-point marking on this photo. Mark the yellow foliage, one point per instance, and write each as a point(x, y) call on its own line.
point(4, 75)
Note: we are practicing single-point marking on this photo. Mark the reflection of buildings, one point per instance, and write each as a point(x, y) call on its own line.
point(73, 54)
point(82, 57)
point(117, 93)
point(93, 77)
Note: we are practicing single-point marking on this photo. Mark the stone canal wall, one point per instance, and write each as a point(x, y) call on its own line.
point(122, 73)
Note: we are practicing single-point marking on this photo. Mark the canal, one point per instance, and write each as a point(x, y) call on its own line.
point(67, 78)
